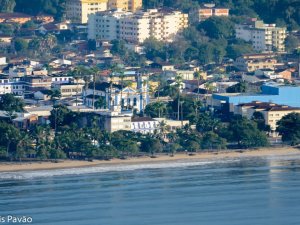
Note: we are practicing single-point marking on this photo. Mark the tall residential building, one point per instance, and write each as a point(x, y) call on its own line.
point(79, 10)
point(206, 11)
point(126, 5)
point(136, 27)
point(264, 37)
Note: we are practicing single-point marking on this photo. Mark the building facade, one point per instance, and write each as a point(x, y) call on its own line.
point(206, 11)
point(252, 62)
point(78, 10)
point(125, 5)
point(271, 112)
point(144, 125)
point(136, 27)
point(264, 37)
point(271, 92)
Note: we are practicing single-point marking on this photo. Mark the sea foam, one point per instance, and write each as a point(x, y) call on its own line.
point(20, 175)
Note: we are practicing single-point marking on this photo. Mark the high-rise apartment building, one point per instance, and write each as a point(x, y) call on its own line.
point(78, 10)
point(264, 37)
point(136, 27)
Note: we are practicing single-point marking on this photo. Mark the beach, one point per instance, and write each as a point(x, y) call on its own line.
point(63, 164)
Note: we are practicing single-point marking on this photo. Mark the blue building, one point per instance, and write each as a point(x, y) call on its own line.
point(271, 92)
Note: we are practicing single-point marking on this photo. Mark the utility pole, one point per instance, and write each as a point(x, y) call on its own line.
point(94, 88)
point(181, 113)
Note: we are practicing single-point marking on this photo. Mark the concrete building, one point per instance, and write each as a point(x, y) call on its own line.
point(271, 92)
point(10, 86)
point(252, 62)
point(69, 89)
point(136, 27)
point(36, 83)
point(264, 37)
point(206, 11)
point(78, 10)
point(125, 5)
point(144, 125)
point(272, 112)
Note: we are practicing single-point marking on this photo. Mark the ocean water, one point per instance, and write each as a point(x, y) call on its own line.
point(245, 191)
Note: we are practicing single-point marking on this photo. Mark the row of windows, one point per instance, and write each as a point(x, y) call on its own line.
point(71, 90)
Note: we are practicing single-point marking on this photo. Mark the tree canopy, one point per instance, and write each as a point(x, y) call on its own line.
point(289, 128)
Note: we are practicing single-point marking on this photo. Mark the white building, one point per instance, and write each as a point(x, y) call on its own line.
point(10, 86)
point(136, 27)
point(144, 125)
point(264, 37)
point(3, 61)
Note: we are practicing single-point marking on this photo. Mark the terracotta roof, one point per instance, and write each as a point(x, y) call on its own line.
point(14, 15)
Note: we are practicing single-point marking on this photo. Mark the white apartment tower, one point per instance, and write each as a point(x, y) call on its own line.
point(264, 37)
point(136, 27)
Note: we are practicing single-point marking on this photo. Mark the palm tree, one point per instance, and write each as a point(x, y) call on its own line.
point(54, 96)
point(23, 145)
point(161, 107)
point(178, 81)
point(95, 71)
point(198, 76)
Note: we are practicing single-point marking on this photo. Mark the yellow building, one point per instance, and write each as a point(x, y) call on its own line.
point(78, 10)
point(126, 5)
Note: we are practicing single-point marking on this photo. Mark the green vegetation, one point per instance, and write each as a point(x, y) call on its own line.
point(7, 6)
point(35, 7)
point(238, 88)
point(9, 102)
point(289, 128)
point(283, 12)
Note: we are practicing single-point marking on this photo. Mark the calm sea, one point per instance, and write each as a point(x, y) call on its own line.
point(253, 191)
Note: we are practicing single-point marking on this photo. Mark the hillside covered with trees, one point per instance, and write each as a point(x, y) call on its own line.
point(282, 12)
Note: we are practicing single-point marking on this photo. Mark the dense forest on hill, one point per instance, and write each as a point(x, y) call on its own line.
point(283, 12)
point(34, 7)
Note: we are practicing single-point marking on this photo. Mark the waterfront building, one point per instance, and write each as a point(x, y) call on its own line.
point(271, 112)
point(144, 125)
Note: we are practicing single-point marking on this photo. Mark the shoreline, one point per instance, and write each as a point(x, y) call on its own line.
point(225, 154)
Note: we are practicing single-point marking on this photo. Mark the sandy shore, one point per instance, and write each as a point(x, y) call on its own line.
point(7, 166)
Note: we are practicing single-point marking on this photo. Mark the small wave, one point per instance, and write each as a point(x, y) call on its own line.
point(102, 169)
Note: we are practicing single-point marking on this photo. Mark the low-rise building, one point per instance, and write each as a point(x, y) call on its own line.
point(252, 62)
point(206, 11)
point(69, 89)
point(36, 83)
point(271, 112)
point(271, 92)
point(144, 125)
